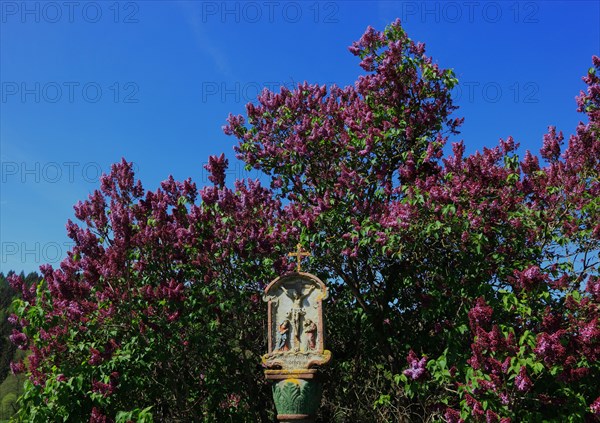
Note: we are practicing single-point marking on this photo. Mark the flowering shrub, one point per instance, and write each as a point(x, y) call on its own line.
point(154, 306)
point(463, 288)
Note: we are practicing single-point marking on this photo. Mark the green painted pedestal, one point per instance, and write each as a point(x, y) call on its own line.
point(296, 399)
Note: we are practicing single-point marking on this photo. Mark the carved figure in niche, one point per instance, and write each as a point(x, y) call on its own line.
point(295, 323)
point(284, 342)
point(297, 310)
point(310, 329)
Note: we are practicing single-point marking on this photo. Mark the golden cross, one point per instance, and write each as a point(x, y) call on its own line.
point(299, 254)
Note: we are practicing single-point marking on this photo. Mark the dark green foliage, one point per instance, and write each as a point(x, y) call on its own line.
point(7, 348)
point(12, 386)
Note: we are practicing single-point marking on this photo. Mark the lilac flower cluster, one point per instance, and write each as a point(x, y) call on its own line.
point(417, 367)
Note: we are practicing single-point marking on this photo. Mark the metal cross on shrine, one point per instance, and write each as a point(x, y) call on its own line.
point(299, 254)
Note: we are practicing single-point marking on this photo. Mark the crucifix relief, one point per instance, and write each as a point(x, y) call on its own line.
point(295, 334)
point(297, 311)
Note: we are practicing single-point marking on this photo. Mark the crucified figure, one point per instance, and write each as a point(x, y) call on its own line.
point(297, 311)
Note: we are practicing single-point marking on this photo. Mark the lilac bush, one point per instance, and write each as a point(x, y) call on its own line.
point(464, 288)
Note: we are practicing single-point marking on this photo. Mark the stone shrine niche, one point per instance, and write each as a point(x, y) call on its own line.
point(295, 322)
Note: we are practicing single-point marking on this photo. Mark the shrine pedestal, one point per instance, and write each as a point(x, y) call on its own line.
point(297, 394)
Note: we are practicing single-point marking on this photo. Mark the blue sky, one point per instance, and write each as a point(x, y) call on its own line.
point(85, 83)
